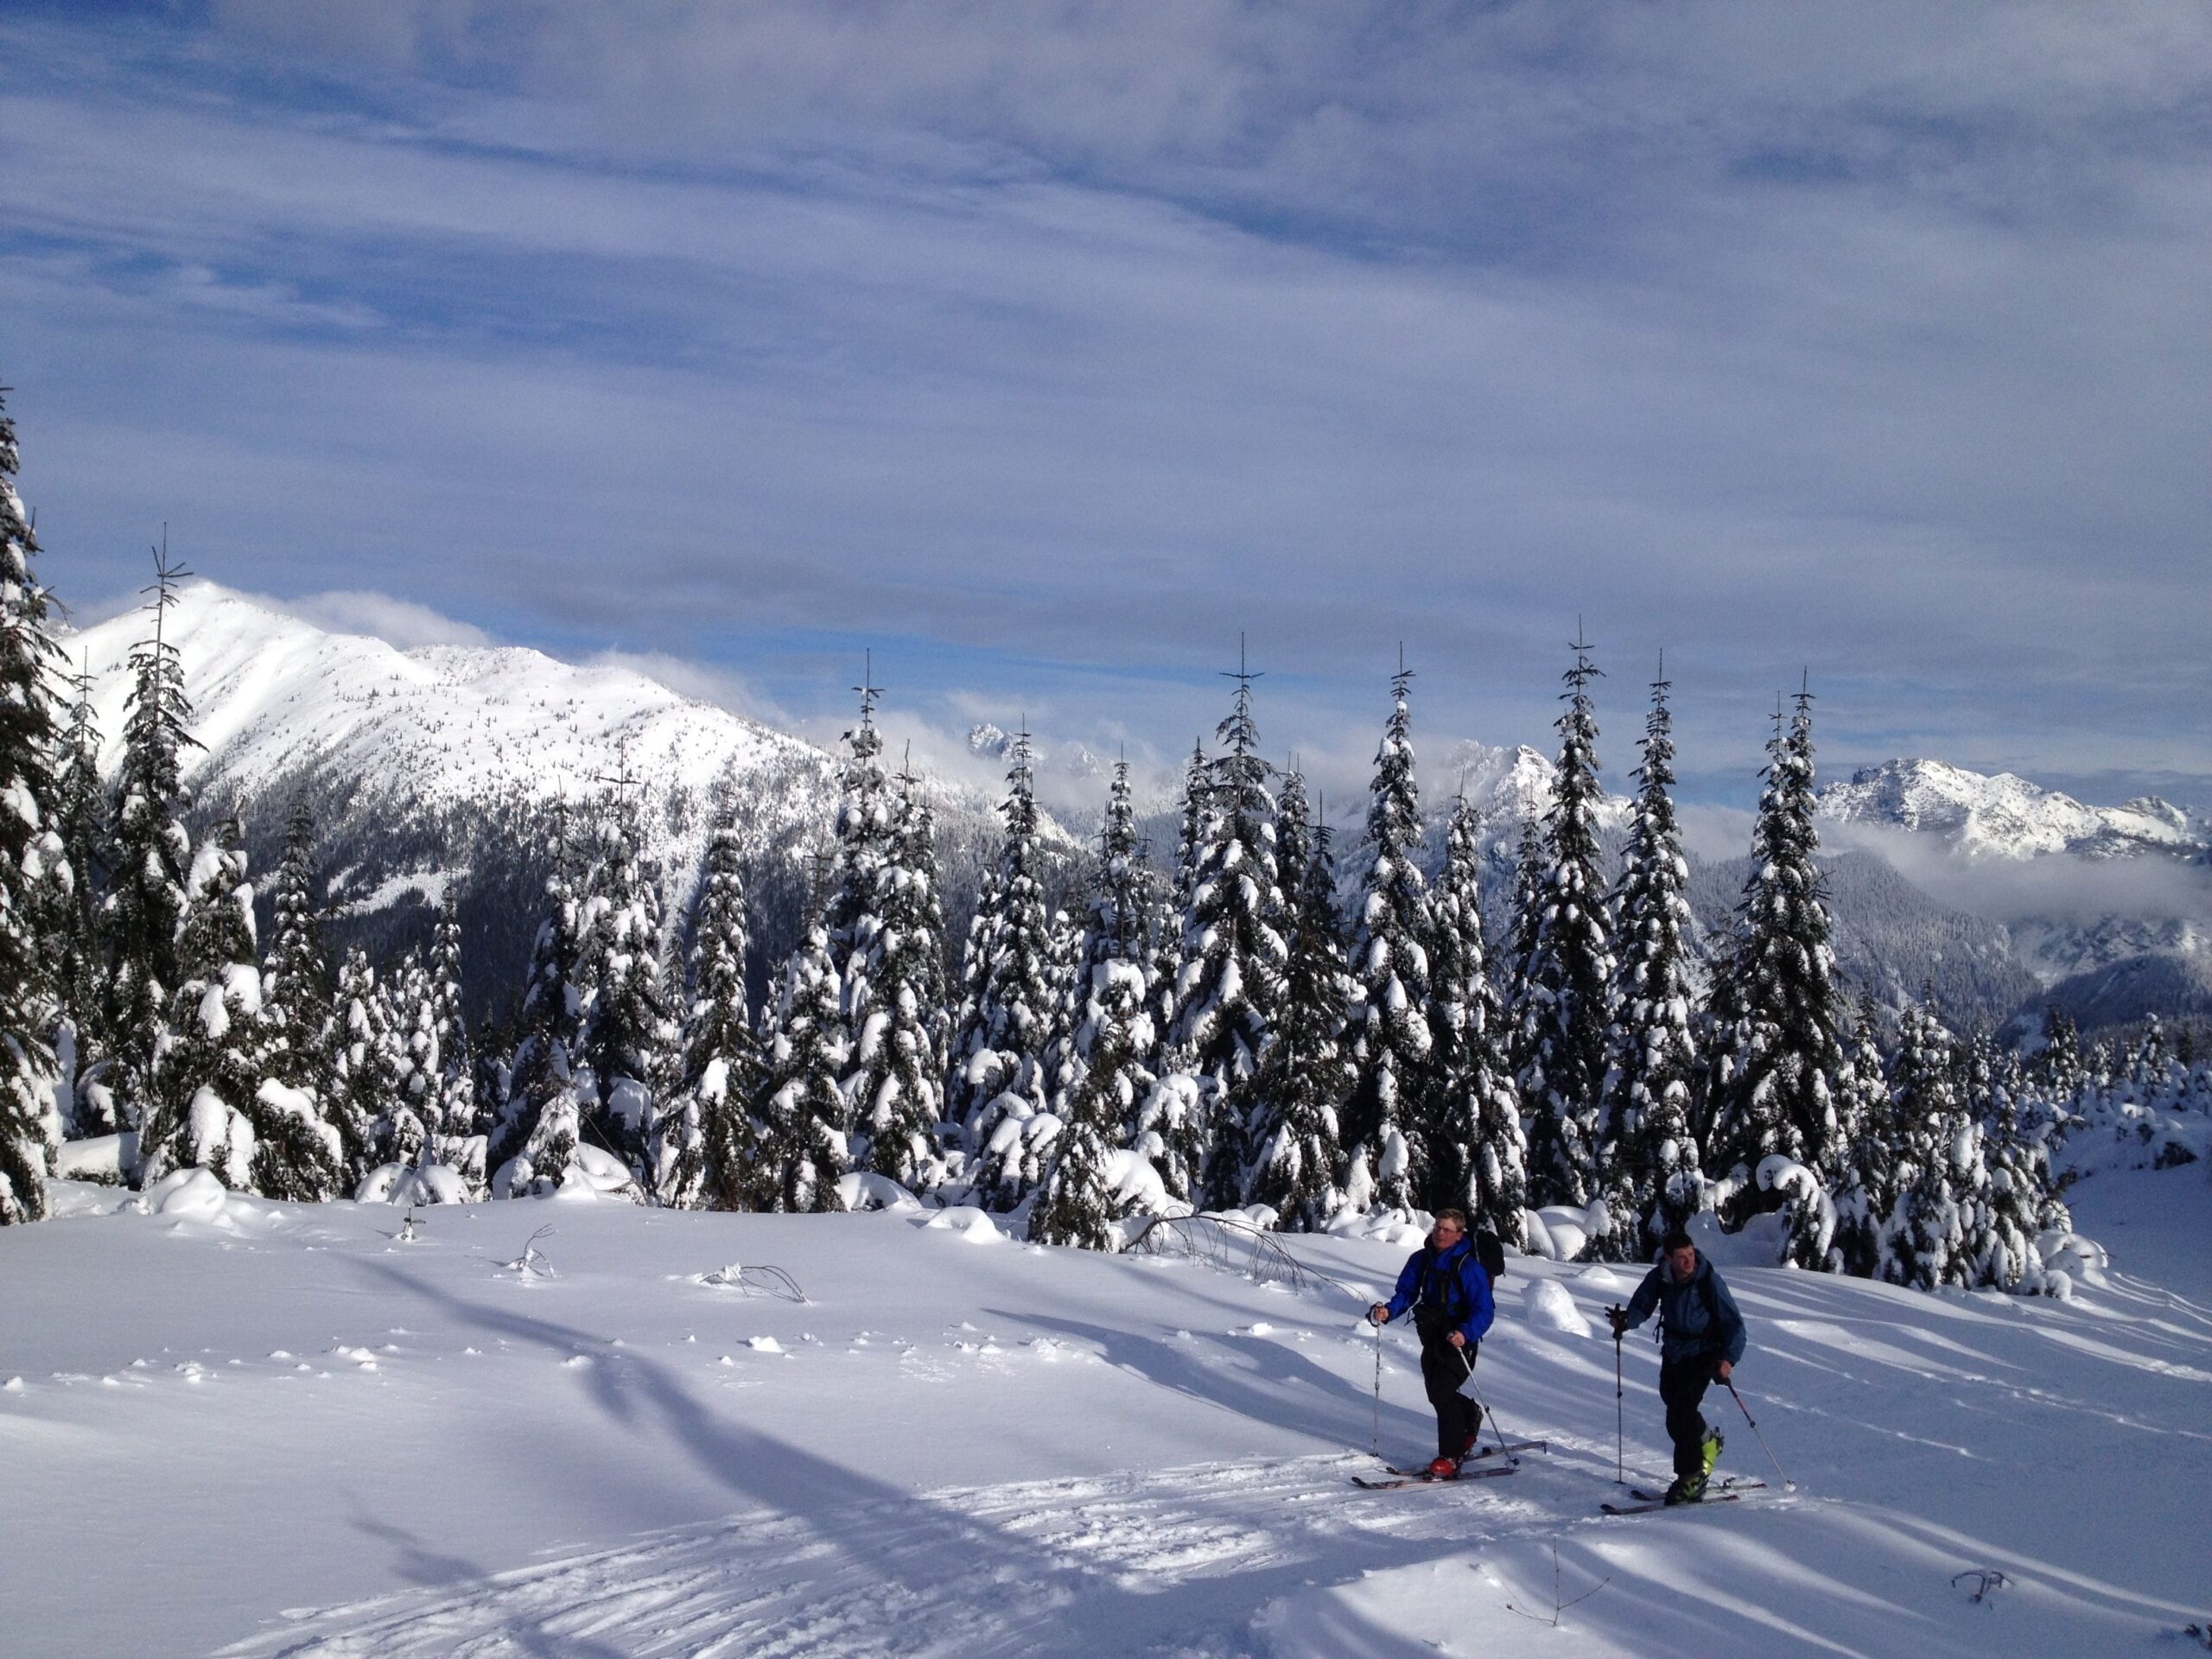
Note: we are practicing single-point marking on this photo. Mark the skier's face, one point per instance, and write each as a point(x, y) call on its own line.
point(1445, 1234)
point(1682, 1262)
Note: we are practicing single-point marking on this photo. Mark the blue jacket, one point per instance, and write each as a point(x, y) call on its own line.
point(1697, 1317)
point(1430, 1279)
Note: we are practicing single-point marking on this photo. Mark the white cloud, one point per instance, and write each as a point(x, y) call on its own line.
point(400, 622)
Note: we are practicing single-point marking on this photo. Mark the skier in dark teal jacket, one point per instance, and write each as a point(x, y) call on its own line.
point(1445, 1285)
point(1701, 1343)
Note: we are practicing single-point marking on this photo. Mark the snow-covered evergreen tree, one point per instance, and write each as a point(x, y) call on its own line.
point(1925, 1244)
point(145, 908)
point(539, 1123)
point(33, 863)
point(1478, 1152)
point(1866, 1197)
point(458, 1146)
point(2015, 1198)
point(299, 1037)
point(79, 951)
point(1773, 1070)
point(1570, 970)
point(1075, 1204)
point(802, 1107)
point(207, 1066)
point(1391, 1048)
point(999, 1086)
point(1653, 1180)
point(897, 1088)
point(863, 833)
point(1231, 978)
point(1306, 1076)
point(712, 1161)
point(1527, 918)
point(629, 1030)
point(1191, 839)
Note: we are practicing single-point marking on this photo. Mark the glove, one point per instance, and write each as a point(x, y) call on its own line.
point(1618, 1318)
point(1379, 1314)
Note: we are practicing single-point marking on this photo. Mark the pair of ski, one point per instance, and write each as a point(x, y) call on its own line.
point(1422, 1476)
point(1727, 1492)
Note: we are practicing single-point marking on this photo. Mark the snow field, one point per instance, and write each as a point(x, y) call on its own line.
point(280, 1430)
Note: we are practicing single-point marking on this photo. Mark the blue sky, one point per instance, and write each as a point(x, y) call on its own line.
point(1043, 349)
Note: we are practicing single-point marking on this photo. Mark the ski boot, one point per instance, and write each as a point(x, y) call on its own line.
point(1713, 1442)
point(1444, 1469)
point(1686, 1489)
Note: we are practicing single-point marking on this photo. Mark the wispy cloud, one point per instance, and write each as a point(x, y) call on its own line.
point(1049, 349)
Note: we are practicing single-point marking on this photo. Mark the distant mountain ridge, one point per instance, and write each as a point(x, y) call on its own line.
point(444, 762)
point(2006, 816)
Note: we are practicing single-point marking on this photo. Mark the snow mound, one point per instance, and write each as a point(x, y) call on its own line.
point(405, 1184)
point(192, 1194)
point(1558, 1232)
point(765, 1346)
point(864, 1190)
point(1549, 1305)
point(971, 1223)
point(1600, 1278)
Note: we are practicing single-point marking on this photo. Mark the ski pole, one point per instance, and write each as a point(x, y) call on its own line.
point(1375, 1440)
point(1620, 1420)
point(1481, 1404)
point(1787, 1484)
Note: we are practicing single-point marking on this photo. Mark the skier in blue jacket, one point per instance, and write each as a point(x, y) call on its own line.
point(1701, 1343)
point(1445, 1285)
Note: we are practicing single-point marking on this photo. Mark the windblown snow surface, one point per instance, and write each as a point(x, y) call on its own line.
point(272, 1430)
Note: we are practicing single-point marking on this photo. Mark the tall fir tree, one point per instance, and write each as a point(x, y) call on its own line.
point(1570, 970)
point(802, 1107)
point(145, 908)
point(1233, 948)
point(1075, 1203)
point(723, 1068)
point(629, 1032)
point(295, 992)
point(459, 1149)
point(1392, 1049)
point(1654, 1181)
point(1190, 838)
point(1306, 1076)
point(1774, 1074)
point(1000, 1085)
point(35, 871)
point(897, 1088)
point(1527, 916)
point(1477, 1152)
point(862, 832)
point(208, 1063)
point(79, 952)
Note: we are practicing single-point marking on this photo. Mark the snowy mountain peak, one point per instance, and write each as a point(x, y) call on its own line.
point(2007, 817)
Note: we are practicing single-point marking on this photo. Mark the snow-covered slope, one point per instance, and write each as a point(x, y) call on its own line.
point(273, 1430)
point(273, 696)
point(2006, 816)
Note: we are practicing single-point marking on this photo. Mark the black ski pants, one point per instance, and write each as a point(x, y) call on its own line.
point(1682, 1384)
point(1442, 1371)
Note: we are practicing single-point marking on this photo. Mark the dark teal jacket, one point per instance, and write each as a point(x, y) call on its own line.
point(1697, 1317)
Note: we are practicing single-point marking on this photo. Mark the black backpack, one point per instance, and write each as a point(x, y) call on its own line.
point(1489, 1250)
